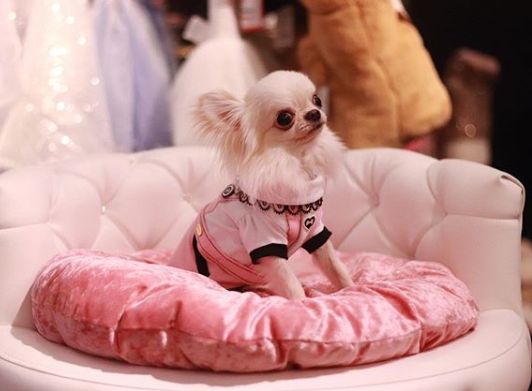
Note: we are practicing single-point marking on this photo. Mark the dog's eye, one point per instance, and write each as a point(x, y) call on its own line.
point(285, 119)
point(317, 101)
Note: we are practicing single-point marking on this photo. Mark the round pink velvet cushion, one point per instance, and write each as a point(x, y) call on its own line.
point(134, 309)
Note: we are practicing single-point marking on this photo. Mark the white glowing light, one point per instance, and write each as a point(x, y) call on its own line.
point(57, 71)
point(70, 19)
point(57, 51)
point(60, 106)
point(50, 125)
point(56, 7)
point(12, 15)
point(57, 86)
point(95, 81)
point(470, 130)
point(65, 140)
point(82, 40)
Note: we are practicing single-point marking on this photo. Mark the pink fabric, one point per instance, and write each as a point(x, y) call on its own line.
point(229, 228)
point(136, 309)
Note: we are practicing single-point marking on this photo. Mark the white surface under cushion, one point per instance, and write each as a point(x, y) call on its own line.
point(493, 357)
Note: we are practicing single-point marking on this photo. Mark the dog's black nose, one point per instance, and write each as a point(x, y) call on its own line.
point(313, 115)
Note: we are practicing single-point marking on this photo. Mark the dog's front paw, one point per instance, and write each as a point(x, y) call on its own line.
point(345, 281)
point(343, 278)
point(295, 292)
point(279, 278)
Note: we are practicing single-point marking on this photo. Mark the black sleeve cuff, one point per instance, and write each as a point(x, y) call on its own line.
point(317, 240)
point(269, 250)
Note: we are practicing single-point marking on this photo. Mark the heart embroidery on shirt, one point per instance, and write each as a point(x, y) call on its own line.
point(309, 221)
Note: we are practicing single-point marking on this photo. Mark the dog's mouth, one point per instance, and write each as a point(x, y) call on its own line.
point(311, 131)
point(318, 126)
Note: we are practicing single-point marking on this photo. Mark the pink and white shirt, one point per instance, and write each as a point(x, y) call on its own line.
point(234, 232)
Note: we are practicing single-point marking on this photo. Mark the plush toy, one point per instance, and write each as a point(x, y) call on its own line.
point(384, 89)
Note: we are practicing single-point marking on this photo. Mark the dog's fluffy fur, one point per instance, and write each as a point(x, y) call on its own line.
point(270, 161)
point(251, 147)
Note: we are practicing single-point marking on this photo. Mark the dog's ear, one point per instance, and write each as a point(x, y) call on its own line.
point(218, 111)
point(219, 119)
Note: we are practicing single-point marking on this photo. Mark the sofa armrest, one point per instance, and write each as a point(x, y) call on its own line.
point(460, 213)
point(479, 234)
point(111, 202)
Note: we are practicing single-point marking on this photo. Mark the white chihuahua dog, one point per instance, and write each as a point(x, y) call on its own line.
point(277, 146)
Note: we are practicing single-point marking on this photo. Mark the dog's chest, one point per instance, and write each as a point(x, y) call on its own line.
point(300, 227)
point(237, 226)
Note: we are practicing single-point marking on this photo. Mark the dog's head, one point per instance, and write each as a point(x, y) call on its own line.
point(279, 119)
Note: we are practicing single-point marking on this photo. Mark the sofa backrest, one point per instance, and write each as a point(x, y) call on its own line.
point(392, 201)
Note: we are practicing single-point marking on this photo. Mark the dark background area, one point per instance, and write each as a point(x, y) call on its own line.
point(502, 29)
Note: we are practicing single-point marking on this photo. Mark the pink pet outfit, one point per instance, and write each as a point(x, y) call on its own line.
point(235, 231)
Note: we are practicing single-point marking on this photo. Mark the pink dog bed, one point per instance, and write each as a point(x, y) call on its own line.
point(136, 309)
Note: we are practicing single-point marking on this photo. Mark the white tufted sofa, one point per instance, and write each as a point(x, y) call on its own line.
point(463, 214)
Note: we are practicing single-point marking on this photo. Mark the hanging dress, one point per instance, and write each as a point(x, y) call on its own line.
point(61, 109)
point(223, 61)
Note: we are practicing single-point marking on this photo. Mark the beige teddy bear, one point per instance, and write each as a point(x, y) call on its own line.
point(384, 89)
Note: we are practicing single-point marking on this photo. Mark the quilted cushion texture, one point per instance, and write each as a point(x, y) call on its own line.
point(137, 309)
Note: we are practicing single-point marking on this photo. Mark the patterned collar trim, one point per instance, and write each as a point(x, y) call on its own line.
point(233, 190)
